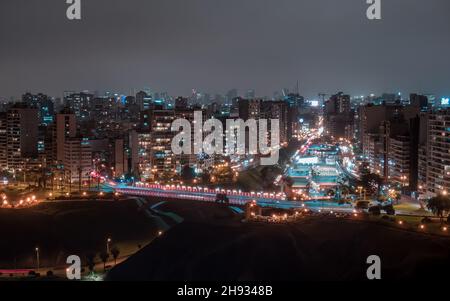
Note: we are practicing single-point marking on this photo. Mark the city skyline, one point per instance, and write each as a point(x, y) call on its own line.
point(213, 47)
point(230, 144)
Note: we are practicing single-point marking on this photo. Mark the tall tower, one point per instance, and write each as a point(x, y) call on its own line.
point(65, 128)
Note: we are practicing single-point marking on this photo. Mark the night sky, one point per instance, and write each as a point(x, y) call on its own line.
point(216, 45)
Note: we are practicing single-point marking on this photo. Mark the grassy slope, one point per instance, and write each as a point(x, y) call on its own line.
point(209, 247)
point(61, 229)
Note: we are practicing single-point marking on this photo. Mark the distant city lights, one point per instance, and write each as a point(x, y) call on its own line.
point(314, 103)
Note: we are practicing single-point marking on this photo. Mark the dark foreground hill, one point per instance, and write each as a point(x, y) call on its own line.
point(211, 245)
point(64, 228)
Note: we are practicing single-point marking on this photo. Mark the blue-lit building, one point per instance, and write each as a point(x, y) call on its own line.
point(43, 103)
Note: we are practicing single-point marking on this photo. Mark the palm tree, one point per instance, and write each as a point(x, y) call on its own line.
point(115, 253)
point(439, 205)
point(104, 256)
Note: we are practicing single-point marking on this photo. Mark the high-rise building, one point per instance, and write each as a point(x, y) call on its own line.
point(422, 154)
point(420, 101)
point(43, 103)
point(338, 104)
point(65, 128)
point(371, 116)
point(120, 163)
point(374, 153)
point(438, 155)
point(422, 169)
point(101, 110)
point(163, 160)
point(390, 136)
point(249, 108)
point(186, 159)
point(77, 161)
point(296, 106)
point(133, 154)
point(399, 156)
point(277, 110)
point(144, 140)
point(143, 100)
point(79, 103)
point(3, 141)
point(338, 116)
point(181, 103)
point(21, 134)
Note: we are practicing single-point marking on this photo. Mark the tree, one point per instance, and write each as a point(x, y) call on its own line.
point(115, 253)
point(268, 175)
point(364, 169)
point(439, 205)
point(372, 182)
point(205, 177)
point(396, 196)
point(389, 209)
point(104, 256)
point(187, 174)
point(286, 184)
point(375, 210)
point(331, 193)
point(90, 258)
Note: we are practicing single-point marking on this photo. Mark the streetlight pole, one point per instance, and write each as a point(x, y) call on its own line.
point(108, 241)
point(37, 258)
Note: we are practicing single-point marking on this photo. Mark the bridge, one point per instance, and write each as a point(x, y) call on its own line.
point(204, 194)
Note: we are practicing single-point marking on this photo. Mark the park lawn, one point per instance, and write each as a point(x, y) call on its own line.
point(412, 208)
point(411, 223)
point(68, 228)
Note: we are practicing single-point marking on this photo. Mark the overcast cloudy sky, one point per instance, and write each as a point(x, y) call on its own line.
point(216, 45)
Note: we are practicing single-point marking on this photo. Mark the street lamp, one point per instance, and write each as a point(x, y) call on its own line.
point(37, 258)
point(360, 191)
point(108, 241)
